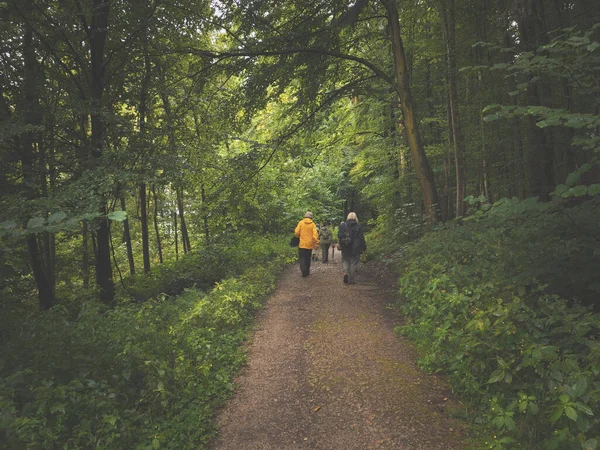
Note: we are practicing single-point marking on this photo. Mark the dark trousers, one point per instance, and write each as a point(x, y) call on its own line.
point(304, 255)
point(325, 248)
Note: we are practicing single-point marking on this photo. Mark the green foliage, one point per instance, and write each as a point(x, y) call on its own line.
point(498, 304)
point(140, 375)
point(571, 57)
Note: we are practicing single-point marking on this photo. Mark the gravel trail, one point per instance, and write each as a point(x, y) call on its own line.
point(326, 371)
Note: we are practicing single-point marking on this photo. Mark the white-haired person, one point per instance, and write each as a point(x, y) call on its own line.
point(306, 230)
point(352, 244)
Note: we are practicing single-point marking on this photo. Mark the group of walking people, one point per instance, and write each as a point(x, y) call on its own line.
point(350, 237)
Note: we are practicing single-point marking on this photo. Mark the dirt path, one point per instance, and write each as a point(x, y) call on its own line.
point(326, 371)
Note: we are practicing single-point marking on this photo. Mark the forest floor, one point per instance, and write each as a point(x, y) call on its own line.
point(326, 371)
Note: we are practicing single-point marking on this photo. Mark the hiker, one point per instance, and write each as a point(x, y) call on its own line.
point(306, 230)
point(352, 243)
point(326, 239)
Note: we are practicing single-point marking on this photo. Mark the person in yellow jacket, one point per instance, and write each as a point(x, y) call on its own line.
point(306, 230)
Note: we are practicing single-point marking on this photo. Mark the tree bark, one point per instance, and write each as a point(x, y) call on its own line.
point(85, 255)
point(411, 124)
point(97, 41)
point(31, 114)
point(127, 236)
point(455, 128)
point(185, 239)
point(176, 237)
point(144, 221)
point(540, 157)
point(156, 228)
point(204, 215)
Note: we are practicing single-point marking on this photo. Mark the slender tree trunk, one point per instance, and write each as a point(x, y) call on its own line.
point(205, 216)
point(48, 243)
point(85, 255)
point(176, 237)
point(540, 157)
point(455, 128)
point(144, 221)
point(184, 233)
point(156, 229)
point(411, 124)
point(143, 131)
point(127, 236)
point(97, 41)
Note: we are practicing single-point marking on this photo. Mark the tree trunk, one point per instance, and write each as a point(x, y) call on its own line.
point(455, 128)
point(540, 157)
point(411, 124)
point(127, 236)
point(97, 40)
point(205, 216)
point(85, 255)
point(176, 238)
point(184, 233)
point(144, 220)
point(31, 114)
point(156, 229)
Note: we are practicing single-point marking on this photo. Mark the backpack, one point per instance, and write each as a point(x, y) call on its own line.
point(326, 236)
point(346, 239)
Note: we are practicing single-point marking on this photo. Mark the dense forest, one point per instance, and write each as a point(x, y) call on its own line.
point(154, 155)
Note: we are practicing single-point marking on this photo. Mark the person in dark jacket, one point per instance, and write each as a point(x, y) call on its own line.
point(351, 250)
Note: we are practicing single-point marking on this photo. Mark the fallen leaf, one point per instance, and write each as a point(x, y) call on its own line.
point(317, 408)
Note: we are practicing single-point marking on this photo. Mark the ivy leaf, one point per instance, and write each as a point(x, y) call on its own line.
point(118, 216)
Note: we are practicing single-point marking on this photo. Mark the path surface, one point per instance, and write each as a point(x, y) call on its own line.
point(326, 371)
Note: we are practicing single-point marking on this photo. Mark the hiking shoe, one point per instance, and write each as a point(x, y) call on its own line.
point(346, 278)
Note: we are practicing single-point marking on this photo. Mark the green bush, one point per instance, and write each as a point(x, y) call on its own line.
point(503, 304)
point(137, 376)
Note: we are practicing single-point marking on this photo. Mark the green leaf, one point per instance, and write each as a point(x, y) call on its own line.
point(155, 444)
point(8, 225)
point(594, 189)
point(499, 66)
point(35, 224)
point(576, 191)
point(584, 409)
point(571, 413)
point(559, 190)
point(57, 217)
point(90, 216)
point(593, 46)
point(557, 415)
point(118, 216)
point(590, 444)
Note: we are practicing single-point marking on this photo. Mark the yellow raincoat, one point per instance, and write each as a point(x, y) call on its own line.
point(306, 230)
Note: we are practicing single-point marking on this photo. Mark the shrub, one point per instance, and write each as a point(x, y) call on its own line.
point(504, 305)
point(139, 376)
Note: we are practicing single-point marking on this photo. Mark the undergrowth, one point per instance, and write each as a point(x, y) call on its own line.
point(144, 374)
point(503, 303)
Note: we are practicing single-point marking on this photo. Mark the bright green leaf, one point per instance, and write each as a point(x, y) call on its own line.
point(118, 216)
point(571, 413)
